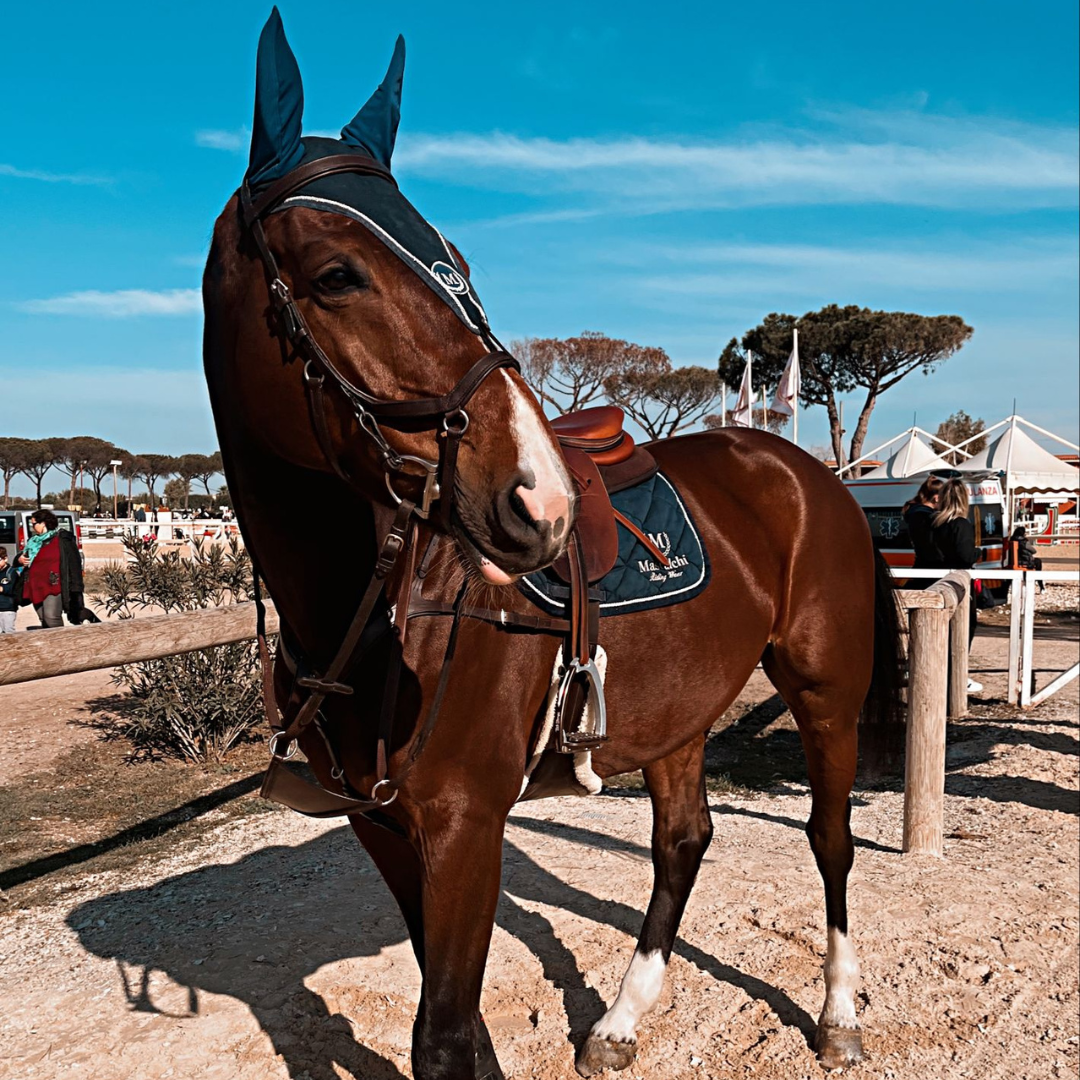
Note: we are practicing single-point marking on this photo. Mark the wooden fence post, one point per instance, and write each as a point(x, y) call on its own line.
point(924, 774)
point(958, 658)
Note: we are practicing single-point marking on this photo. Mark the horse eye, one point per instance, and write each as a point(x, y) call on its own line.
point(339, 279)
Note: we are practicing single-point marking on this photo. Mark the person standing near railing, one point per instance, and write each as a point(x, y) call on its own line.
point(953, 537)
point(9, 604)
point(918, 516)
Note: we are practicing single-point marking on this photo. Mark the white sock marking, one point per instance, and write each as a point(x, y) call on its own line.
point(841, 982)
point(639, 992)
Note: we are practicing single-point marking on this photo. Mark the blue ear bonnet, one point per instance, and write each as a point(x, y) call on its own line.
point(277, 148)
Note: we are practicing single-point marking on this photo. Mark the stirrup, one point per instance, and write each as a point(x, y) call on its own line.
point(571, 742)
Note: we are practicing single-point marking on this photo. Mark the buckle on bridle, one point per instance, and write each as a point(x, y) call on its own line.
point(430, 471)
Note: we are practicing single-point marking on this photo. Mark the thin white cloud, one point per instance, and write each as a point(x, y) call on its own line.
point(1016, 266)
point(232, 141)
point(51, 177)
point(901, 158)
point(123, 304)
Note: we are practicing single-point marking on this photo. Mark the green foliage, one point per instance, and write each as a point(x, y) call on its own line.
point(956, 429)
point(572, 373)
point(196, 705)
point(665, 402)
point(843, 349)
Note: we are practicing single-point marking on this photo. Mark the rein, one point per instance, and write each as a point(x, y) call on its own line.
point(448, 412)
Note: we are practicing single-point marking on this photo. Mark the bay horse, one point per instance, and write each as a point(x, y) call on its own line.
point(365, 410)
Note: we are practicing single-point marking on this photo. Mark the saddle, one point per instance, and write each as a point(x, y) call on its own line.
point(602, 459)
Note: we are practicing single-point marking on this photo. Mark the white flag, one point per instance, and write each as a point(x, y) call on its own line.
point(743, 413)
point(787, 390)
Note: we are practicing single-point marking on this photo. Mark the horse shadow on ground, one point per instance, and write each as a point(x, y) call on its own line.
point(254, 930)
point(757, 752)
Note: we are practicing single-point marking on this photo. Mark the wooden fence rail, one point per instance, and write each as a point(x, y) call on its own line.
point(45, 653)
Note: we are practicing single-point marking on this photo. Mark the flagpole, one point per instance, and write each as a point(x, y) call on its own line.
point(723, 404)
point(795, 415)
point(750, 384)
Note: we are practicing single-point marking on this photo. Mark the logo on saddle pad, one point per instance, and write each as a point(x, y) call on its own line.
point(656, 572)
point(452, 280)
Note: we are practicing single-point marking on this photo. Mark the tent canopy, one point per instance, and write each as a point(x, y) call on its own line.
point(912, 456)
point(1028, 467)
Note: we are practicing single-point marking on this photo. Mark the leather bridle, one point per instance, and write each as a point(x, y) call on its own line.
point(447, 411)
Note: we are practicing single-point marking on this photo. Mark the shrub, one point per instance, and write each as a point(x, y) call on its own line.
point(195, 705)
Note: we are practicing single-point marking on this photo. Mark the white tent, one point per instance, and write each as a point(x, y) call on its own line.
point(1027, 466)
point(912, 456)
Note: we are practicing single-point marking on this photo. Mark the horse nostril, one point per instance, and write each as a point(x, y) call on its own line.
point(558, 527)
point(517, 504)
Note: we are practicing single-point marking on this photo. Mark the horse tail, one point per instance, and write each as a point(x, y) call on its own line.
point(881, 726)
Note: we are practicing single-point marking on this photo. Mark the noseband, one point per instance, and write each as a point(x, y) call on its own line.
point(446, 412)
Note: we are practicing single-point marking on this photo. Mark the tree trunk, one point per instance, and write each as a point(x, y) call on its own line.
point(835, 434)
point(859, 436)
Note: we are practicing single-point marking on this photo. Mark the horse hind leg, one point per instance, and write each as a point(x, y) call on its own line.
point(682, 830)
point(827, 716)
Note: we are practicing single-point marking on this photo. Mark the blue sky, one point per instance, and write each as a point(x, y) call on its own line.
point(663, 174)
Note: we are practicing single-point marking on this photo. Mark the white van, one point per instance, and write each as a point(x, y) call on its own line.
point(15, 528)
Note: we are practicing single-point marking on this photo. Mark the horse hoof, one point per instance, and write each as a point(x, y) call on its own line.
point(838, 1047)
point(599, 1054)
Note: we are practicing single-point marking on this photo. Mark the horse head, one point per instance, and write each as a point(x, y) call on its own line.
point(346, 331)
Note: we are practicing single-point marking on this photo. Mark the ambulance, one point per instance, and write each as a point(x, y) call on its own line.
point(883, 499)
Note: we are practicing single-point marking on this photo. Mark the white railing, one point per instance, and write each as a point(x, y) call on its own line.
point(1021, 626)
point(95, 530)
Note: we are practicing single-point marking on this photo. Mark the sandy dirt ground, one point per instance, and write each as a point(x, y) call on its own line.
point(267, 946)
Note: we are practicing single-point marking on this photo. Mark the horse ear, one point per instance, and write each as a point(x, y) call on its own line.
point(374, 127)
point(279, 107)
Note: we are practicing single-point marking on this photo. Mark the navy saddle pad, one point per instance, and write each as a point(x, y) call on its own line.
point(637, 581)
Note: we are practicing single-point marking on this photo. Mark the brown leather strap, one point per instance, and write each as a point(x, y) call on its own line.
point(392, 546)
point(641, 538)
point(254, 206)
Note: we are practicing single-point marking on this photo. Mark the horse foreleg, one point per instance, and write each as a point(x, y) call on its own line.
point(461, 863)
point(401, 869)
point(397, 861)
point(682, 830)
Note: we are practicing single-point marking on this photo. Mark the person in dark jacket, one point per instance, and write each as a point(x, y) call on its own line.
point(9, 582)
point(52, 569)
point(953, 538)
point(919, 519)
point(1026, 553)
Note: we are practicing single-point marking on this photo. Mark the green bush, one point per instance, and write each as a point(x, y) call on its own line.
point(194, 705)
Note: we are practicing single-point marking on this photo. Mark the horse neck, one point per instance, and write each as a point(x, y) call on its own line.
point(313, 541)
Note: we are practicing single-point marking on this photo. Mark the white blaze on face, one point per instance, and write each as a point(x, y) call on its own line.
point(549, 499)
point(639, 992)
point(550, 496)
point(841, 982)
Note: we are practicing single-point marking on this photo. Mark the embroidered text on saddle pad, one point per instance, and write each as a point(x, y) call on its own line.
point(637, 582)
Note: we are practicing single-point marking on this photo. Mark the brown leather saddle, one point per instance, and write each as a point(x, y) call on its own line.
point(602, 459)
